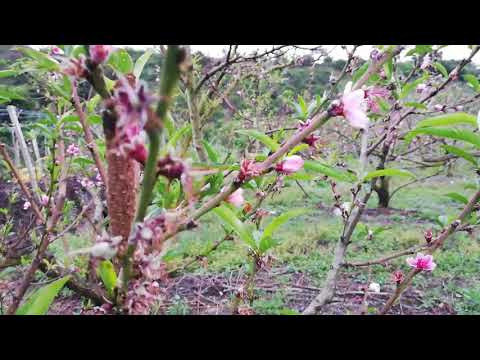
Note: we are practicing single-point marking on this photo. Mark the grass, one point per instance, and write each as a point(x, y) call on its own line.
point(307, 243)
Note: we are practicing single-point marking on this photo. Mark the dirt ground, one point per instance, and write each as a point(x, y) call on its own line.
point(212, 294)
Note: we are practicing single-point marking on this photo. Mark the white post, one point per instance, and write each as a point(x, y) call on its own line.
point(37, 155)
point(23, 148)
point(16, 149)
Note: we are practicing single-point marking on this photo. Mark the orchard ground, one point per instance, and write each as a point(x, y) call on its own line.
point(300, 263)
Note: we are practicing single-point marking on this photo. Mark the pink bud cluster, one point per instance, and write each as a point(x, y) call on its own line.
point(372, 95)
point(131, 103)
point(311, 139)
point(100, 53)
point(141, 296)
point(76, 68)
point(248, 169)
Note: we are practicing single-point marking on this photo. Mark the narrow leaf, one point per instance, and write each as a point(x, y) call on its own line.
point(229, 219)
point(388, 172)
point(265, 139)
point(39, 302)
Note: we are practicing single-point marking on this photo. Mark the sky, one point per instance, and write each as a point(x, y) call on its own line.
point(455, 52)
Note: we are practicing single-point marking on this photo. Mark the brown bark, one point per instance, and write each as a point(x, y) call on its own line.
point(383, 192)
point(123, 178)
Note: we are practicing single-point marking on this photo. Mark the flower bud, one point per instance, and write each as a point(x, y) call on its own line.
point(428, 236)
point(236, 198)
point(290, 165)
point(100, 53)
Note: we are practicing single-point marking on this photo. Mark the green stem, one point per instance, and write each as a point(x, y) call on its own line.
point(170, 76)
point(150, 175)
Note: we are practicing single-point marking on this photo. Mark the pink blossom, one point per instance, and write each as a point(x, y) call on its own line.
point(44, 200)
point(290, 165)
point(26, 205)
point(100, 53)
point(73, 150)
point(236, 198)
point(248, 168)
point(353, 109)
point(55, 50)
point(422, 262)
point(439, 107)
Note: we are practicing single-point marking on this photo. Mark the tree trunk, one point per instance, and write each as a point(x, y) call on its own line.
point(123, 175)
point(383, 192)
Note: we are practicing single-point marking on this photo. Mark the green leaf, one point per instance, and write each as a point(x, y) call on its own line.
point(121, 61)
point(169, 125)
point(265, 139)
point(384, 106)
point(388, 172)
point(229, 219)
point(172, 142)
point(282, 219)
point(10, 94)
point(211, 152)
point(460, 153)
point(448, 119)
point(299, 175)
point(388, 68)
point(266, 243)
point(407, 88)
point(39, 302)
point(441, 69)
point(359, 73)
point(106, 272)
point(463, 135)
point(297, 149)
point(141, 62)
point(472, 81)
point(318, 167)
point(287, 311)
point(303, 105)
point(7, 73)
point(420, 50)
point(43, 60)
point(82, 161)
point(457, 197)
point(78, 50)
point(416, 105)
point(70, 119)
point(95, 119)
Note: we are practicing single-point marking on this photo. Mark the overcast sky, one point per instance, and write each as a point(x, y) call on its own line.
point(455, 52)
point(451, 52)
